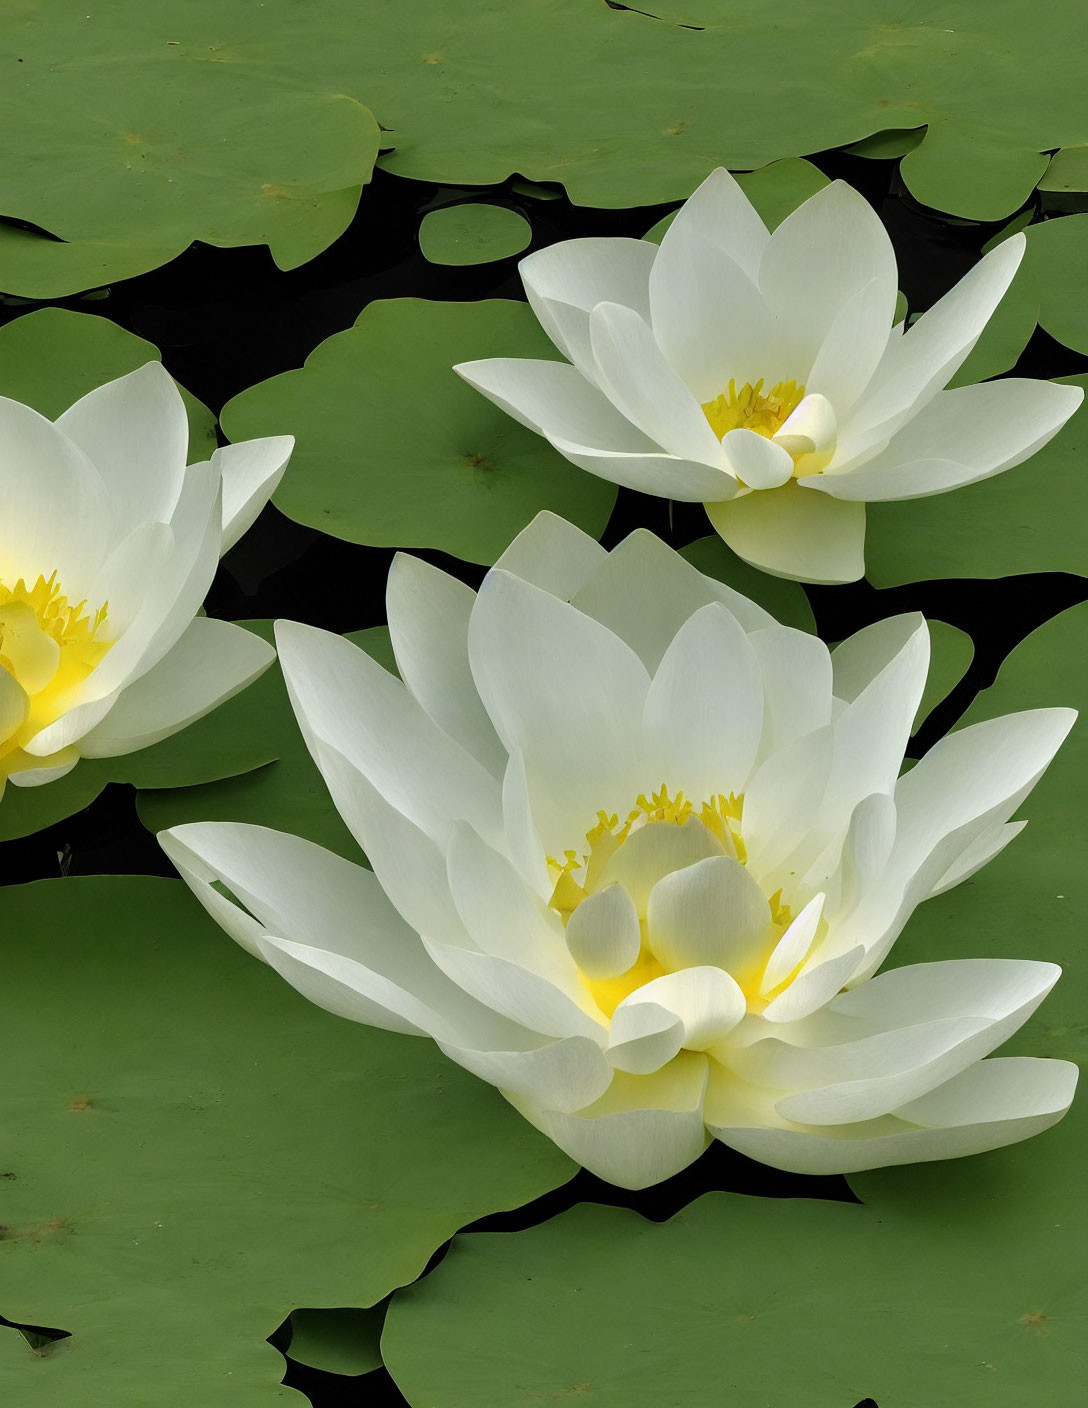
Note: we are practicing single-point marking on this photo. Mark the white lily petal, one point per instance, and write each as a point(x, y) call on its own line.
point(251, 471)
point(981, 851)
point(211, 663)
point(825, 252)
point(850, 353)
point(720, 212)
point(792, 532)
point(796, 672)
point(814, 987)
point(565, 1074)
point(707, 1000)
point(643, 1129)
point(657, 849)
point(636, 378)
point(793, 947)
point(644, 592)
point(756, 461)
point(385, 733)
point(643, 1037)
point(664, 475)
point(603, 934)
point(135, 432)
point(554, 555)
point(704, 709)
point(994, 1103)
point(54, 766)
point(428, 613)
point(565, 281)
point(710, 913)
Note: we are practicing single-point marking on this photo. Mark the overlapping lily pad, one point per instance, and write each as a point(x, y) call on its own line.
point(473, 233)
point(250, 124)
point(393, 449)
point(191, 1150)
point(953, 1283)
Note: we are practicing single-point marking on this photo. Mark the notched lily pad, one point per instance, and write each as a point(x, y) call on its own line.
point(394, 450)
point(342, 1341)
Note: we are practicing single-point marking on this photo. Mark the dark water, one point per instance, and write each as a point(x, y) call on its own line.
point(225, 319)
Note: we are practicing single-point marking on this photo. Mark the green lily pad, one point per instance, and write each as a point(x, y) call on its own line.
point(775, 191)
point(1029, 519)
point(166, 131)
point(52, 357)
point(738, 1300)
point(891, 143)
point(192, 1149)
point(343, 1341)
point(394, 450)
point(287, 793)
point(247, 124)
point(473, 234)
point(786, 601)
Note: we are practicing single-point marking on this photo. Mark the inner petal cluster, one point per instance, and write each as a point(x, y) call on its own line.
point(667, 890)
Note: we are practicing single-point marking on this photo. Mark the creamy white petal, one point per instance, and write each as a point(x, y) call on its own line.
point(556, 400)
point(658, 849)
point(135, 432)
point(667, 476)
point(821, 255)
point(637, 379)
point(809, 431)
point(564, 692)
point(720, 212)
point(428, 613)
point(708, 316)
point(792, 532)
point(523, 844)
point(704, 709)
point(644, 592)
point(516, 993)
point(554, 555)
point(981, 851)
point(565, 1074)
point(711, 912)
point(53, 504)
point(853, 347)
point(784, 792)
point(756, 461)
point(603, 933)
point(994, 1103)
point(793, 947)
point(211, 662)
point(643, 1036)
point(352, 703)
point(917, 365)
point(502, 915)
point(55, 765)
point(860, 658)
point(796, 672)
point(251, 471)
point(870, 837)
point(643, 1129)
point(816, 985)
point(960, 437)
point(707, 1000)
point(565, 281)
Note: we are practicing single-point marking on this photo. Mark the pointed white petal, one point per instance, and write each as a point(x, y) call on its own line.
point(554, 555)
point(211, 662)
point(603, 934)
point(796, 672)
point(793, 947)
point(756, 461)
point(564, 1075)
point(251, 471)
point(704, 709)
point(814, 987)
point(720, 212)
point(428, 614)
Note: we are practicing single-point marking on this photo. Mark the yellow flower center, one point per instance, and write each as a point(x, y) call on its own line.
point(49, 646)
point(579, 875)
point(752, 409)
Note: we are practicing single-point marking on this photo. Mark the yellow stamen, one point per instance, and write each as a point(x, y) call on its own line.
point(752, 409)
point(49, 646)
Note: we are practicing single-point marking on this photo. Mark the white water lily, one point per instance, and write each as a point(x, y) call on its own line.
point(108, 545)
point(761, 375)
point(638, 852)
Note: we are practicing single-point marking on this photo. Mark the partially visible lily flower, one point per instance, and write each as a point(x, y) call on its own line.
point(761, 374)
point(638, 853)
point(108, 545)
